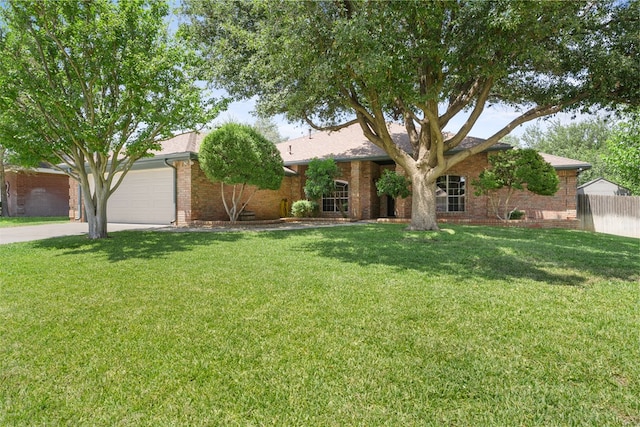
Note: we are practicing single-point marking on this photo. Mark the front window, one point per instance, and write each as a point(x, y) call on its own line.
point(450, 193)
point(340, 199)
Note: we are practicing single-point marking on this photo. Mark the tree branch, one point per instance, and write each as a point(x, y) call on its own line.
point(532, 114)
point(473, 118)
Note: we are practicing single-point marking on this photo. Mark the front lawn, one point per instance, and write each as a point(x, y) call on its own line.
point(19, 221)
point(356, 325)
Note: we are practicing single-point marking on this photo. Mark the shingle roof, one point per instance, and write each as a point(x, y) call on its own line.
point(351, 144)
point(185, 143)
point(564, 163)
point(346, 144)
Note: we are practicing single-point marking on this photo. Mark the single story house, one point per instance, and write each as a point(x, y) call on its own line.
point(603, 187)
point(170, 187)
point(36, 192)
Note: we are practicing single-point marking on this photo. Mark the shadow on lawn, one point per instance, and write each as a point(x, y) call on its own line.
point(559, 257)
point(124, 245)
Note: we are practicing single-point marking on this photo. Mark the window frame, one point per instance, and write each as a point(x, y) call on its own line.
point(454, 201)
point(329, 205)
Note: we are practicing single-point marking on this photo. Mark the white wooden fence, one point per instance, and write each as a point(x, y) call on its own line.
point(619, 215)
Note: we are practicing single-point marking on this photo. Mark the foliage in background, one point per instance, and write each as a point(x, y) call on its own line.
point(623, 157)
point(584, 141)
point(237, 155)
point(511, 170)
point(338, 63)
point(269, 129)
point(304, 209)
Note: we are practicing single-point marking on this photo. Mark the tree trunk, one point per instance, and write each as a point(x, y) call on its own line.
point(4, 200)
point(423, 205)
point(96, 210)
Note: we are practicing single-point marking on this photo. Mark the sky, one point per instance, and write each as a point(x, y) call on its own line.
point(492, 120)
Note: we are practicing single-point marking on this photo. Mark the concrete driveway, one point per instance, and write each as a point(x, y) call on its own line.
point(45, 231)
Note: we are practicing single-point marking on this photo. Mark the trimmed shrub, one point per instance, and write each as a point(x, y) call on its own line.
point(304, 209)
point(516, 214)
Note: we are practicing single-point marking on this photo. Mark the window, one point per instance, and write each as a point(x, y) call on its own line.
point(450, 193)
point(340, 198)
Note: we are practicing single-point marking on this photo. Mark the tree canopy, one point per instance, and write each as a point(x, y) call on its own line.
point(623, 157)
point(238, 155)
point(268, 128)
point(335, 63)
point(585, 140)
point(94, 86)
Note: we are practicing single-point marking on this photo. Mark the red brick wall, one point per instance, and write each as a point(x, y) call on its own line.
point(200, 200)
point(560, 206)
point(364, 203)
point(470, 168)
point(74, 212)
point(183, 190)
point(38, 194)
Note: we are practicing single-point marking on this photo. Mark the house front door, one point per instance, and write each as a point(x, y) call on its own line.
point(391, 207)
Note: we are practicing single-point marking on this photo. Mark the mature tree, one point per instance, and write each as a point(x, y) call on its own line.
point(238, 155)
point(94, 85)
point(269, 129)
point(336, 63)
point(624, 153)
point(393, 185)
point(515, 170)
point(585, 140)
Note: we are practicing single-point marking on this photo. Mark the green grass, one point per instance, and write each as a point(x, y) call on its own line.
point(361, 325)
point(20, 221)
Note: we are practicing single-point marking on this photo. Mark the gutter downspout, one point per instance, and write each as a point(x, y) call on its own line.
point(175, 191)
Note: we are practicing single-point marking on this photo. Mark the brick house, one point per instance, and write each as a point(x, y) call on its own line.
point(171, 188)
point(362, 163)
point(36, 192)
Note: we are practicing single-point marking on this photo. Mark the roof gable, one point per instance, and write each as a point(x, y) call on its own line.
point(603, 181)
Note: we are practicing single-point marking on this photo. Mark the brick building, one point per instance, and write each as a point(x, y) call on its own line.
point(171, 188)
point(37, 192)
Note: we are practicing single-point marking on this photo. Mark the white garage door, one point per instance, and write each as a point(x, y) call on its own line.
point(144, 197)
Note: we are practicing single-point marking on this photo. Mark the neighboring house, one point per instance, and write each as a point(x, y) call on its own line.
point(603, 187)
point(37, 192)
point(171, 188)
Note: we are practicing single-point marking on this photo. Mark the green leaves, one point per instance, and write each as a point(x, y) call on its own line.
point(97, 83)
point(100, 76)
point(321, 176)
point(624, 153)
point(515, 169)
point(238, 154)
point(326, 59)
point(393, 184)
point(585, 141)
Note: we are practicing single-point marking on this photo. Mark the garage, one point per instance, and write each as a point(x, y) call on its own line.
point(145, 197)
